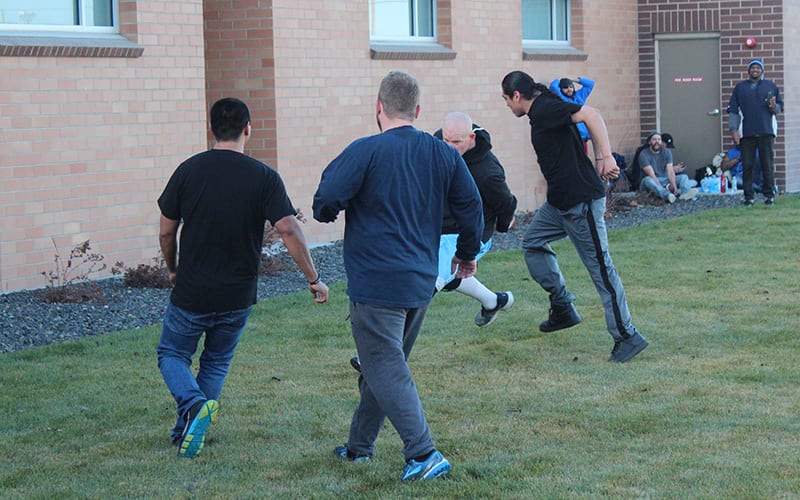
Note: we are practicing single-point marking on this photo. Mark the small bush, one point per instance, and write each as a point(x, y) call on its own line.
point(153, 275)
point(68, 282)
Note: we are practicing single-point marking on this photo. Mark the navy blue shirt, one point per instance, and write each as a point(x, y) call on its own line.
point(393, 187)
point(751, 98)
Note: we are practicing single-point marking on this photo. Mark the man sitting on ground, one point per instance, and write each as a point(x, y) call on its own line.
point(658, 174)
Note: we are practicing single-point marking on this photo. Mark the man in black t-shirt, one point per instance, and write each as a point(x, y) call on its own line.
point(575, 208)
point(223, 198)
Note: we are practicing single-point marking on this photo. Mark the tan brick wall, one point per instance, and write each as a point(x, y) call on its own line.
point(326, 85)
point(88, 142)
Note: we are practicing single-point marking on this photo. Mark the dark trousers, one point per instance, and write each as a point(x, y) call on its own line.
point(765, 144)
point(384, 337)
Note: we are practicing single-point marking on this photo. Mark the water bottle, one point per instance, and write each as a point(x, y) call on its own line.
point(723, 183)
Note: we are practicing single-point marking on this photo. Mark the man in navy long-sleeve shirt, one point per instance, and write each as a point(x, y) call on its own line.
point(393, 187)
point(753, 106)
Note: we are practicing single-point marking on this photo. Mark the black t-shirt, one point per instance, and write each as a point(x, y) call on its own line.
point(571, 177)
point(224, 199)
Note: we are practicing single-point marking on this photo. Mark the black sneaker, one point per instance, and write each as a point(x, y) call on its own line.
point(487, 316)
point(629, 348)
point(749, 202)
point(560, 317)
point(355, 363)
point(614, 350)
point(188, 417)
point(769, 201)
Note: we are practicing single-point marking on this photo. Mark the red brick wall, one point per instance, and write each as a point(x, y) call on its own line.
point(734, 21)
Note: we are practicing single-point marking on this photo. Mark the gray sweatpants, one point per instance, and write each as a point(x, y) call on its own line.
point(586, 228)
point(384, 337)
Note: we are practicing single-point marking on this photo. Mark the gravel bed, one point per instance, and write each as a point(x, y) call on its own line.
point(27, 321)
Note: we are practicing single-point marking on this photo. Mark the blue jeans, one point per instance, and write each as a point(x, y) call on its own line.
point(683, 181)
point(179, 339)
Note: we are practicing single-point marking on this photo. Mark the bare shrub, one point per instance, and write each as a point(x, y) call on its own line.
point(68, 281)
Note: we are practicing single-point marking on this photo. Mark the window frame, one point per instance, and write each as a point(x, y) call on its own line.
point(66, 30)
point(528, 42)
point(409, 38)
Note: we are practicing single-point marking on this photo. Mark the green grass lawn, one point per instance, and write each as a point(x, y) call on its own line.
point(709, 410)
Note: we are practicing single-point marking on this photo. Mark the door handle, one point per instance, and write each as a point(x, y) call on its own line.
point(714, 112)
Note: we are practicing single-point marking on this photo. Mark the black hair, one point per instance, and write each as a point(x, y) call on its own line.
point(229, 117)
point(519, 81)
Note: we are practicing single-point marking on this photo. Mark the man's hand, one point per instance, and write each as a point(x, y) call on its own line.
point(463, 268)
point(607, 168)
point(735, 135)
point(319, 291)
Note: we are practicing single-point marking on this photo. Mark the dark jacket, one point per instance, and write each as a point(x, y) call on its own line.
point(393, 188)
point(750, 99)
point(499, 205)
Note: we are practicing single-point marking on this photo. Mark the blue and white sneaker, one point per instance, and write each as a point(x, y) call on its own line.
point(198, 423)
point(344, 453)
point(435, 466)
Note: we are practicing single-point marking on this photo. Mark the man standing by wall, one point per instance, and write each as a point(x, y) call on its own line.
point(223, 198)
point(752, 107)
point(393, 187)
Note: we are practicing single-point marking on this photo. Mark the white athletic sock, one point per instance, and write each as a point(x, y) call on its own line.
point(471, 287)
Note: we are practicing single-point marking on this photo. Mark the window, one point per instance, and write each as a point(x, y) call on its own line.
point(545, 20)
point(398, 20)
point(93, 16)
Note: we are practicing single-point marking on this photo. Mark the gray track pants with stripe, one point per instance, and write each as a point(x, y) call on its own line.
point(586, 228)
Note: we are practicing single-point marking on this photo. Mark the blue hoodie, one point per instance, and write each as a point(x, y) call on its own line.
point(578, 97)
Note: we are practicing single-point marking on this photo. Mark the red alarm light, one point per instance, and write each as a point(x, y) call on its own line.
point(750, 42)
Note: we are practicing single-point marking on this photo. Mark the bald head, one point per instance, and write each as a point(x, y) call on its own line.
point(457, 131)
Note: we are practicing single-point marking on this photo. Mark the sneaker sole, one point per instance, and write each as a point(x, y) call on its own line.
point(195, 438)
point(632, 354)
point(439, 471)
point(564, 326)
point(504, 308)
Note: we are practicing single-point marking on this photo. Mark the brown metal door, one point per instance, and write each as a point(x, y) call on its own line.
point(689, 101)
